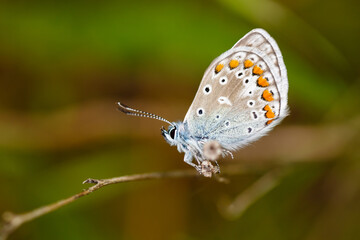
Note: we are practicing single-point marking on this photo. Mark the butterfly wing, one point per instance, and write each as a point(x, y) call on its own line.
point(243, 93)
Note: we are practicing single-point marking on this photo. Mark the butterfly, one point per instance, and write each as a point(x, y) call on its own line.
point(241, 97)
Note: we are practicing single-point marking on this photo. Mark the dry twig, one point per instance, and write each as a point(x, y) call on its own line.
point(14, 221)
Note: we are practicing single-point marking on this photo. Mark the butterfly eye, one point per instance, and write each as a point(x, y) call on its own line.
point(172, 133)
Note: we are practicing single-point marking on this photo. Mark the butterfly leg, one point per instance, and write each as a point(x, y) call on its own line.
point(226, 152)
point(218, 167)
point(188, 159)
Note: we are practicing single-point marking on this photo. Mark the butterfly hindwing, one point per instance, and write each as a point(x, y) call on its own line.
point(243, 93)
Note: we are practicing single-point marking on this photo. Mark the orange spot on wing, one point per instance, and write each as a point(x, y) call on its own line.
point(248, 63)
point(268, 122)
point(257, 70)
point(262, 82)
point(269, 113)
point(267, 95)
point(233, 64)
point(219, 67)
point(267, 108)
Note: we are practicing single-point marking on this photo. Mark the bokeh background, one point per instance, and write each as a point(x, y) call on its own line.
point(64, 64)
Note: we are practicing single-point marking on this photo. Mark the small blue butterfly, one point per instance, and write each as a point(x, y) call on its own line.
point(242, 96)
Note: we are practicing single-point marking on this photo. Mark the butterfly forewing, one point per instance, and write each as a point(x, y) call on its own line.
point(260, 41)
point(243, 93)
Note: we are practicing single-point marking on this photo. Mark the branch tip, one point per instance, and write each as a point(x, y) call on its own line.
point(90, 180)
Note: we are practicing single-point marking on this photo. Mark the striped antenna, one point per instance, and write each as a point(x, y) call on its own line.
point(138, 113)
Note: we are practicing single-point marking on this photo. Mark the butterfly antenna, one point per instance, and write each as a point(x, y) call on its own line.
point(138, 113)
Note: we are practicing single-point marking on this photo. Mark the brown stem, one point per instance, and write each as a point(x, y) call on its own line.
point(12, 221)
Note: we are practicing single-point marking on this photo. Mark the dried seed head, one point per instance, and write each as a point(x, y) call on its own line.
point(207, 169)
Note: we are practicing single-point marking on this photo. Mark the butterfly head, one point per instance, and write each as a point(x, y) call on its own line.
point(170, 135)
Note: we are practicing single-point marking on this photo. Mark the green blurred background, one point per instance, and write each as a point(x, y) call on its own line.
point(64, 64)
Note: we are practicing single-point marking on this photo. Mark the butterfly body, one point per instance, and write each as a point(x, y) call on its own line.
point(179, 135)
point(242, 96)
